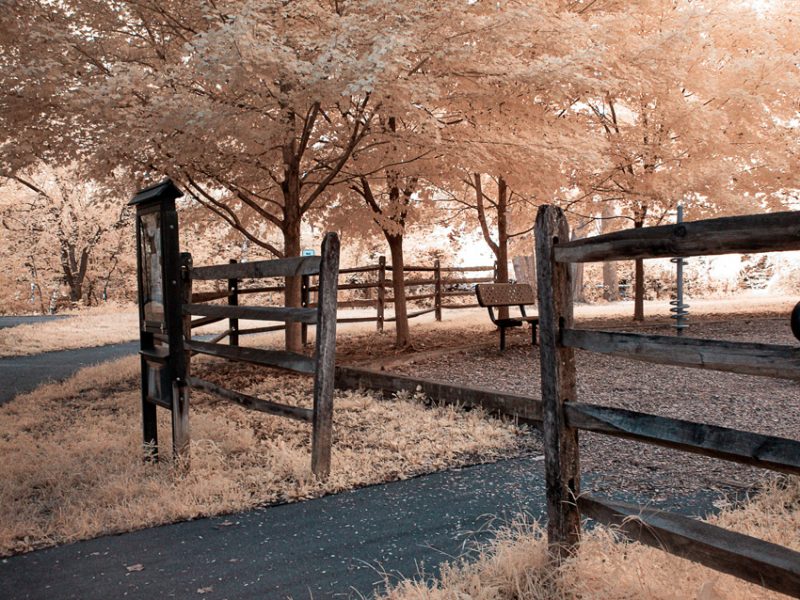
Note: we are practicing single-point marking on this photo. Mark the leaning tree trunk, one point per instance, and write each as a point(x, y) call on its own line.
point(638, 298)
point(402, 332)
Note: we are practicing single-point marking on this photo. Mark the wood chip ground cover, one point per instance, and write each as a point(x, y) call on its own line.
point(758, 404)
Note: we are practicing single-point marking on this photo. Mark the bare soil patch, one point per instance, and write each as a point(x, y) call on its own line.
point(757, 404)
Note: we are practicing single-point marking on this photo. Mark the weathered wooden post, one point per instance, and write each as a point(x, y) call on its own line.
point(180, 391)
point(381, 291)
point(161, 295)
point(437, 277)
point(233, 300)
point(322, 435)
point(305, 298)
point(562, 469)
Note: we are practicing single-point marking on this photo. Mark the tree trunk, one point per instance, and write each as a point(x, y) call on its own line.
point(292, 295)
point(610, 281)
point(638, 300)
point(578, 294)
point(577, 290)
point(75, 292)
point(292, 219)
point(610, 278)
point(502, 238)
point(402, 332)
point(73, 279)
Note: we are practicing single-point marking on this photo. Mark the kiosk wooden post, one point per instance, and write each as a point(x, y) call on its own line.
point(160, 282)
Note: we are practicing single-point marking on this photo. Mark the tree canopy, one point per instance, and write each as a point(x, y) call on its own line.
point(275, 114)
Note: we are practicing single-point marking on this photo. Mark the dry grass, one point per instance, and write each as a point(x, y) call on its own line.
point(515, 565)
point(72, 465)
point(91, 327)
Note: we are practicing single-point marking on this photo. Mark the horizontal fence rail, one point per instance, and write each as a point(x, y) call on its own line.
point(736, 357)
point(253, 403)
point(281, 267)
point(765, 451)
point(209, 296)
point(727, 235)
point(745, 557)
point(270, 358)
point(522, 407)
point(254, 313)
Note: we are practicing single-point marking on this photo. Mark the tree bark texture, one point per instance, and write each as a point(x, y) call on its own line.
point(291, 224)
point(402, 330)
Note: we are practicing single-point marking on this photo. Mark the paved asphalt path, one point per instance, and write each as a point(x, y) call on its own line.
point(26, 320)
point(23, 373)
point(333, 547)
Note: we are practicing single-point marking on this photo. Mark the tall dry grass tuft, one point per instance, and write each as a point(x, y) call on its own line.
point(72, 458)
point(514, 566)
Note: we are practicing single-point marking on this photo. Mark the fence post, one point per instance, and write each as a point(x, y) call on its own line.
point(562, 470)
point(381, 291)
point(305, 296)
point(180, 388)
point(437, 277)
point(322, 434)
point(233, 300)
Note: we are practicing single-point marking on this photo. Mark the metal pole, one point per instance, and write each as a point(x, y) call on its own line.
point(679, 309)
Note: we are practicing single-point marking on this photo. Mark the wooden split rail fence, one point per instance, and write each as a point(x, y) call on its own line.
point(323, 316)
point(561, 416)
point(769, 565)
point(441, 281)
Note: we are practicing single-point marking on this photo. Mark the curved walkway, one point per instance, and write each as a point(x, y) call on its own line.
point(20, 374)
point(332, 547)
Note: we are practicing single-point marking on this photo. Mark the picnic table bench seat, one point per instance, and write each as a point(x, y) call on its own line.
point(497, 295)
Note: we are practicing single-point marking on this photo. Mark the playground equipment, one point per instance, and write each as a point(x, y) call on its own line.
point(679, 308)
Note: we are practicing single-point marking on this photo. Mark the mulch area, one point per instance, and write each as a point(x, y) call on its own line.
point(756, 404)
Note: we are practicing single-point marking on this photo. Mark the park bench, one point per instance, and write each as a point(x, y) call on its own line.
point(497, 295)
